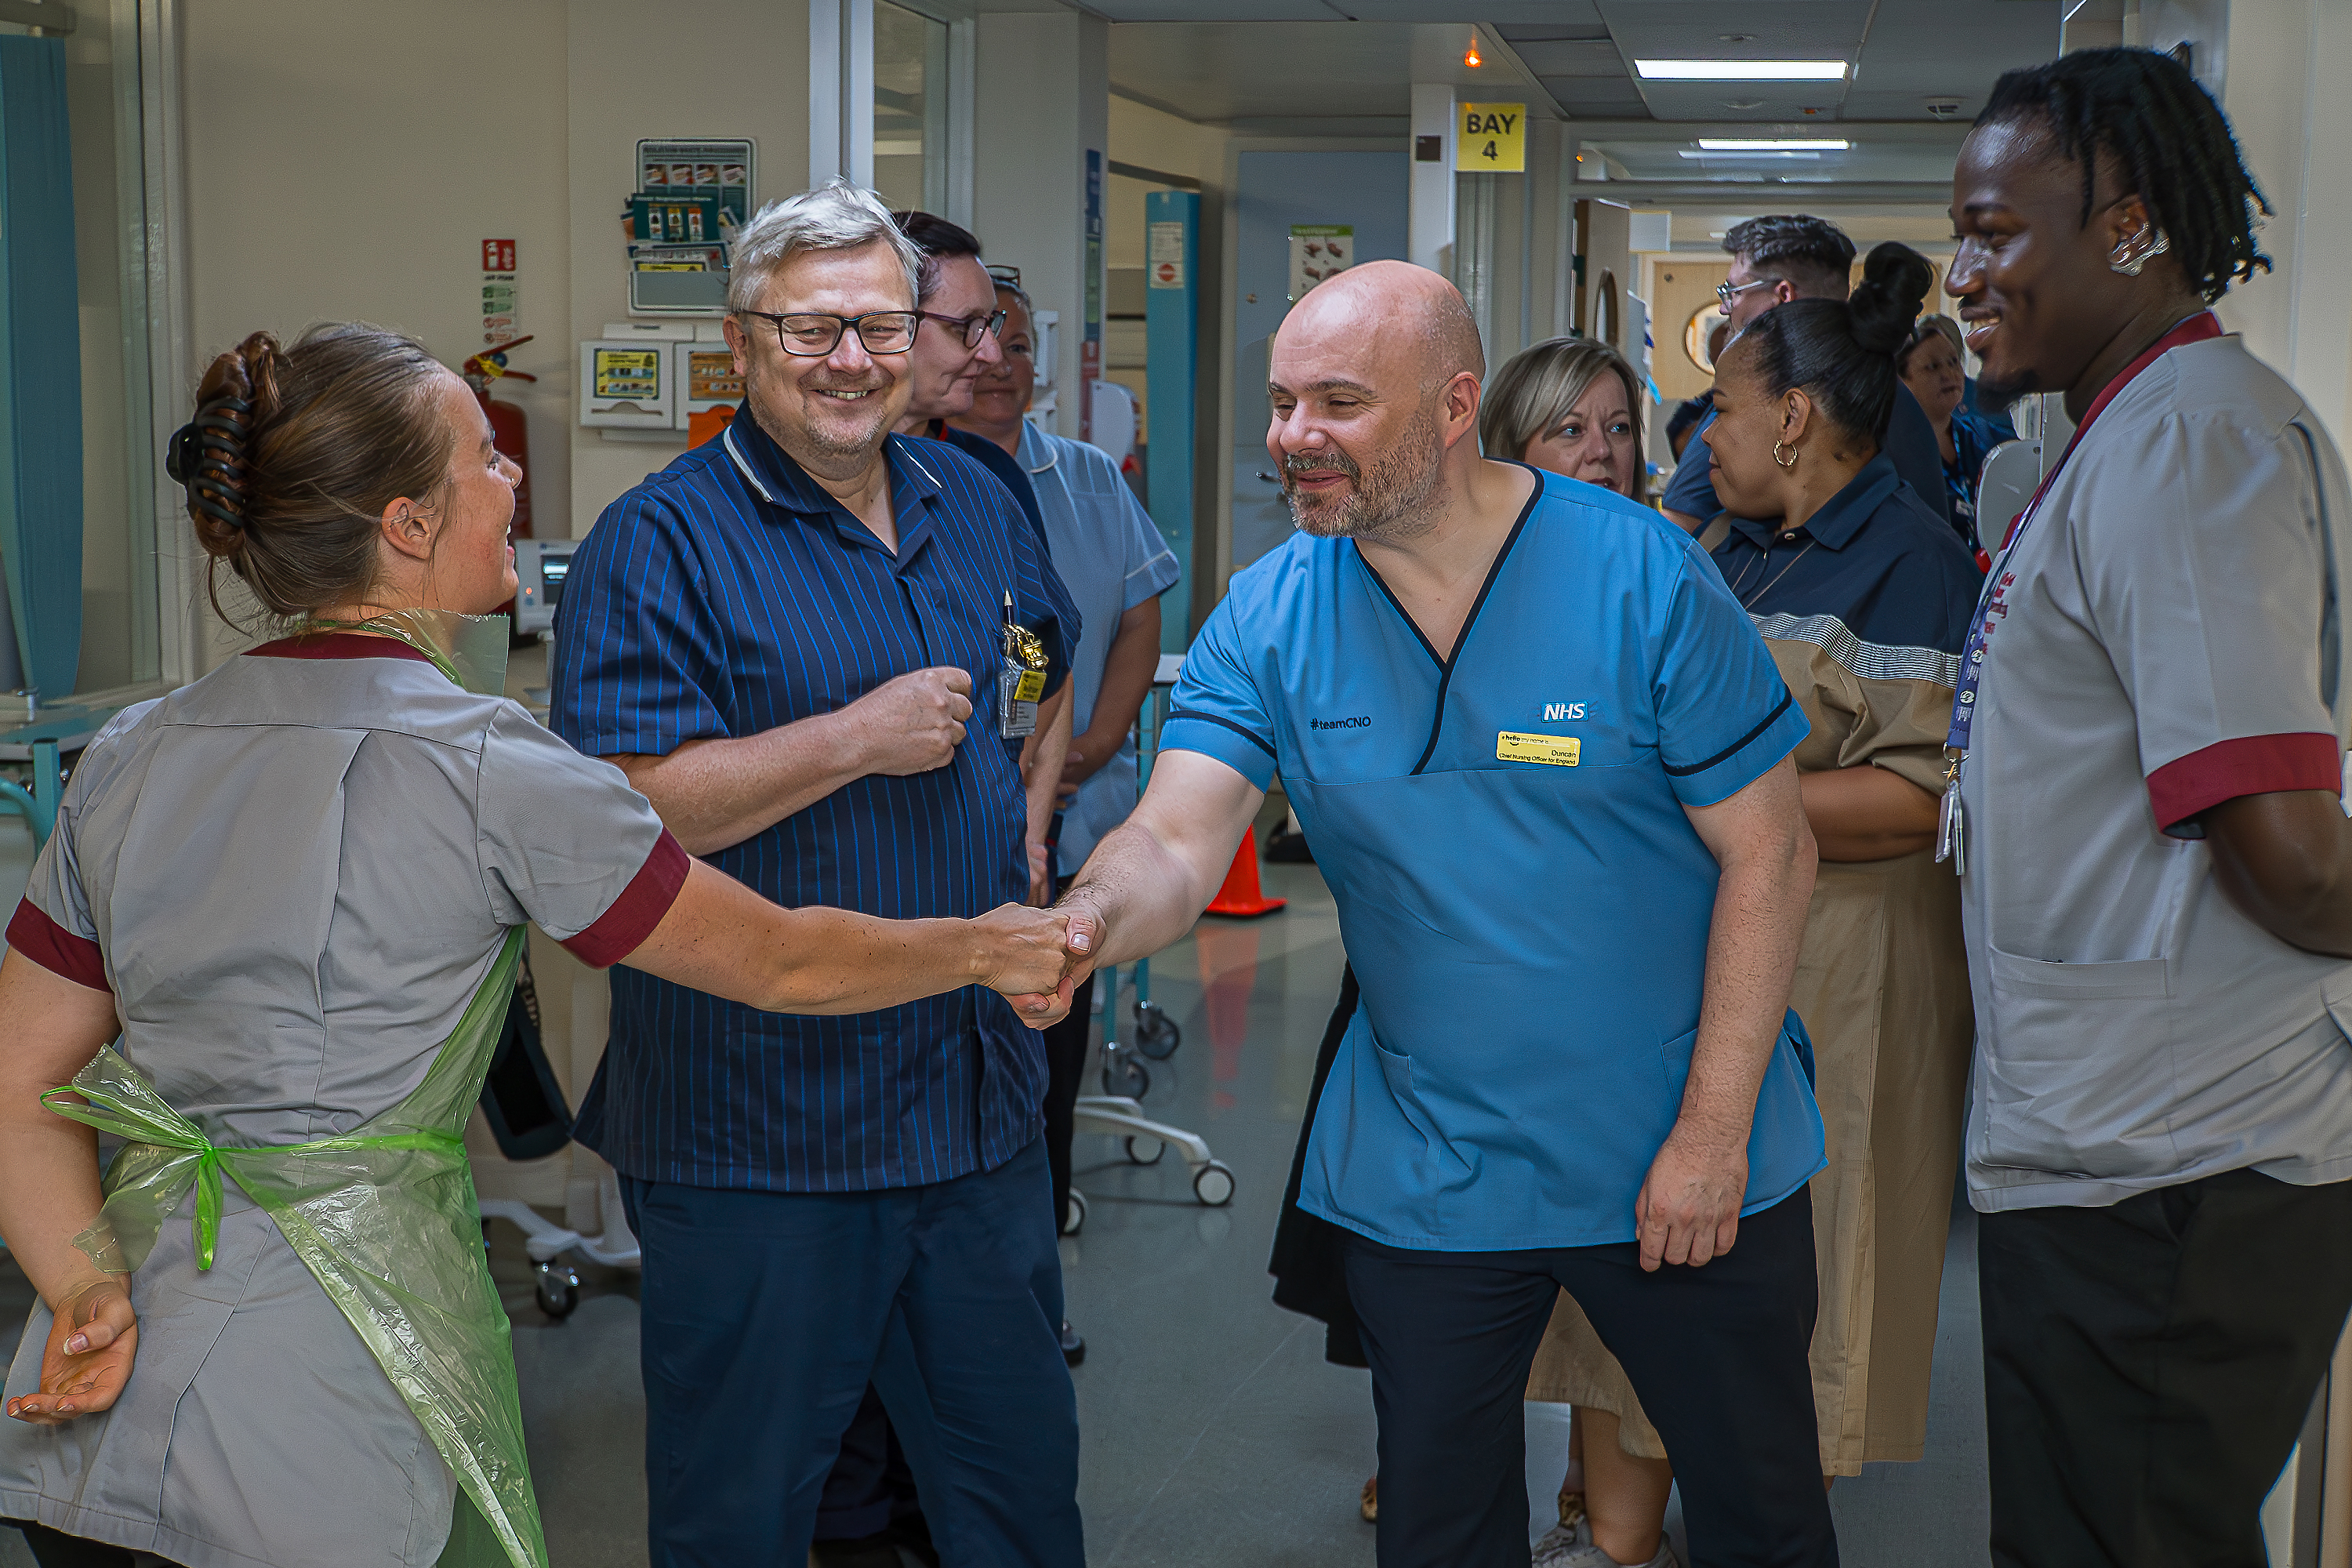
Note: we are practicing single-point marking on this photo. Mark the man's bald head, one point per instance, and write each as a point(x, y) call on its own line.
point(1373, 387)
point(1397, 317)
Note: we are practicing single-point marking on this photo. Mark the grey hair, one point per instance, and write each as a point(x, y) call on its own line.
point(1537, 387)
point(836, 216)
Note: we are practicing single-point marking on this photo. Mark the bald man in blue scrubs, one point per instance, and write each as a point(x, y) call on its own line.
point(1543, 758)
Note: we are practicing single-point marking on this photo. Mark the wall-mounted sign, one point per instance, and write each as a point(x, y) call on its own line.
point(1320, 251)
point(1164, 265)
point(498, 316)
point(1491, 138)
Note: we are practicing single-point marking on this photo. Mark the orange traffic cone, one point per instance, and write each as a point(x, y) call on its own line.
point(1239, 895)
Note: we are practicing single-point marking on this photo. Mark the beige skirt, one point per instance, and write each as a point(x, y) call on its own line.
point(1882, 983)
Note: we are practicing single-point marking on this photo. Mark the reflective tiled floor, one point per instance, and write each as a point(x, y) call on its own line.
point(1216, 1436)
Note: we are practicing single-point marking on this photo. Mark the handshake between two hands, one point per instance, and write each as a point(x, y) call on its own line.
point(1036, 958)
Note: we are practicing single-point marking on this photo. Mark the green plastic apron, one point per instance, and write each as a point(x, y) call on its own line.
point(385, 1218)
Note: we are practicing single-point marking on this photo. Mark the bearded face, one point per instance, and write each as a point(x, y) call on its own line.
point(1384, 496)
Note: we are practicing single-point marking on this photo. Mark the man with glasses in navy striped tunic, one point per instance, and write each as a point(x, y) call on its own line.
point(791, 640)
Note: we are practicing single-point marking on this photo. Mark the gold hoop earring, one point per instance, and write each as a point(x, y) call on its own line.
point(2138, 251)
point(1788, 462)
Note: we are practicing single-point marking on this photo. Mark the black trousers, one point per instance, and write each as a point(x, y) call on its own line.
point(51, 1549)
point(1717, 1354)
point(2148, 1364)
point(1066, 1065)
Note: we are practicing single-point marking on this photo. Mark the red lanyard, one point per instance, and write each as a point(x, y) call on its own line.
point(2195, 329)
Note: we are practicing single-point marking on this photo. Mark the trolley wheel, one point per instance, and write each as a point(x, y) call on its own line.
point(1125, 1077)
point(1156, 1033)
point(1213, 1184)
point(1145, 1151)
point(1073, 1214)
point(559, 1289)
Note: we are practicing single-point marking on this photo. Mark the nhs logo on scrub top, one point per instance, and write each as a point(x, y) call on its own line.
point(1555, 713)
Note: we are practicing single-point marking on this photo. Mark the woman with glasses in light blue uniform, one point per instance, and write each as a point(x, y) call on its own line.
point(1116, 565)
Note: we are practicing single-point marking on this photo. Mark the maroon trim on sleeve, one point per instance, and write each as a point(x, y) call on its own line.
point(2252, 764)
point(60, 952)
point(621, 930)
point(337, 645)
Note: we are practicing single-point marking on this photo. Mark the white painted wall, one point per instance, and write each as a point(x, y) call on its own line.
point(2288, 60)
point(1041, 98)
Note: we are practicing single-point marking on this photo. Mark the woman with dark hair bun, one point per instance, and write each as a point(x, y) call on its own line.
point(269, 946)
point(1863, 593)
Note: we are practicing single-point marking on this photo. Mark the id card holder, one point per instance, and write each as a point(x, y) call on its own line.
point(1021, 681)
point(1018, 687)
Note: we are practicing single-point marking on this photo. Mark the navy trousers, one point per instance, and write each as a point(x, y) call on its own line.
point(1717, 1354)
point(767, 1314)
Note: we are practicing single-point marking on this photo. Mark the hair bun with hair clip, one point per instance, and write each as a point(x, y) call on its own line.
point(208, 457)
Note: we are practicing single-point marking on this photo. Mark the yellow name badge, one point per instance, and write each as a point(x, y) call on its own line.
point(1560, 751)
point(1031, 685)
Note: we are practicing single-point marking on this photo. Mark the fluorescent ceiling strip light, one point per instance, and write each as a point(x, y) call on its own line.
point(1720, 144)
point(1805, 157)
point(1742, 70)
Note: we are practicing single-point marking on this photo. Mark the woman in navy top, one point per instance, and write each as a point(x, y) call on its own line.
point(1864, 595)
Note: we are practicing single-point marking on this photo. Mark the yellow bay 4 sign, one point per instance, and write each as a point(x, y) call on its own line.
point(1492, 137)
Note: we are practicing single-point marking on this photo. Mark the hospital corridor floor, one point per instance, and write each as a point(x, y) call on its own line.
point(1216, 1434)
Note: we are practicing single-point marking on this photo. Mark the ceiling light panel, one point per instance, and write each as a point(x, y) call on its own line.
point(1741, 70)
point(1724, 144)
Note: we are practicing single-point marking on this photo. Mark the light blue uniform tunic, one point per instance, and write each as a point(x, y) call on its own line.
point(1530, 935)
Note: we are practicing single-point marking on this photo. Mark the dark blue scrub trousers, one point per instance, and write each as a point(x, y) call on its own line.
point(1717, 1354)
point(766, 1315)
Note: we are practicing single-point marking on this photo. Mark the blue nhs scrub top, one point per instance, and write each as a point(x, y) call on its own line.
point(1523, 899)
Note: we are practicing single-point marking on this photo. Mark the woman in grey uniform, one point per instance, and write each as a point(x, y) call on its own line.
point(292, 894)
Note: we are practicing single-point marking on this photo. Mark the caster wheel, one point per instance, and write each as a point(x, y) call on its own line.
point(1145, 1151)
point(559, 1289)
point(1126, 1078)
point(1213, 1184)
point(1156, 1033)
point(1074, 1217)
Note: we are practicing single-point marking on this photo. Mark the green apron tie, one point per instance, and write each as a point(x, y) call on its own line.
point(385, 1219)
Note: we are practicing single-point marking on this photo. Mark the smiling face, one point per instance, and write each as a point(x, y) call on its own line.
point(830, 414)
point(1935, 376)
point(1595, 442)
point(1001, 393)
point(2038, 301)
point(941, 369)
point(1359, 397)
point(471, 569)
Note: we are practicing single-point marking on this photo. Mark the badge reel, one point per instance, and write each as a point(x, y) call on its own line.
point(1021, 681)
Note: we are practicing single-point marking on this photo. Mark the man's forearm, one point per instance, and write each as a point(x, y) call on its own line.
point(1751, 959)
point(1148, 879)
point(713, 795)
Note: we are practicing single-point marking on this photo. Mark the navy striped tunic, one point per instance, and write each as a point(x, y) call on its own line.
point(726, 595)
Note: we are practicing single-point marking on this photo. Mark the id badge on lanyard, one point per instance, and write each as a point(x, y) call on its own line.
point(1023, 679)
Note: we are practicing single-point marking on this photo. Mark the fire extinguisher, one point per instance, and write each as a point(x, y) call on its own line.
point(508, 430)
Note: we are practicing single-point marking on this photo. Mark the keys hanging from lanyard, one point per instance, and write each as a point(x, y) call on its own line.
point(1023, 680)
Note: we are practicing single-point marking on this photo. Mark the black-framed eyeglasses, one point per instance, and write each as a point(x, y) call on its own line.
point(813, 335)
point(974, 328)
point(1002, 273)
